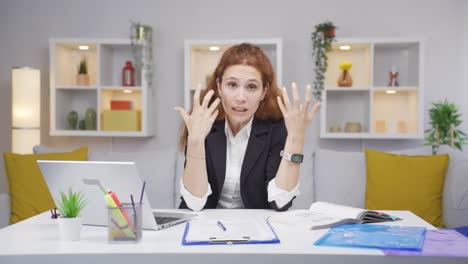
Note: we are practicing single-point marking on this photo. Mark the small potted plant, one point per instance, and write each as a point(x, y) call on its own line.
point(70, 206)
point(82, 78)
point(444, 121)
point(322, 38)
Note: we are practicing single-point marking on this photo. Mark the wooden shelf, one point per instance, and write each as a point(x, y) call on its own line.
point(360, 55)
point(382, 111)
point(369, 136)
point(347, 89)
point(106, 58)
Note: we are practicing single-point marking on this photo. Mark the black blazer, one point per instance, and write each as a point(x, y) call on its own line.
point(261, 162)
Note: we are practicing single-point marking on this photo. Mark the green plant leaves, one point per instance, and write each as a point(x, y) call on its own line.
point(71, 205)
point(444, 118)
point(321, 44)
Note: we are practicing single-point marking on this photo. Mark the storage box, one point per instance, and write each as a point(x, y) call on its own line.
point(120, 105)
point(121, 120)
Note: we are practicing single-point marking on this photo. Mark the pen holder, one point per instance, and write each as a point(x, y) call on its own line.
point(124, 223)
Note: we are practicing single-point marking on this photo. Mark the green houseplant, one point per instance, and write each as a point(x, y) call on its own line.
point(82, 78)
point(322, 38)
point(70, 206)
point(444, 122)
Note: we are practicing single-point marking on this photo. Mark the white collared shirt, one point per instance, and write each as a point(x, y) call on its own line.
point(236, 147)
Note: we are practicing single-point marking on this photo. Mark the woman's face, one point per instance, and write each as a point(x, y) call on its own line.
point(241, 91)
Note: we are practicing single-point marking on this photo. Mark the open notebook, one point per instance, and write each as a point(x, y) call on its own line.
point(325, 215)
point(255, 230)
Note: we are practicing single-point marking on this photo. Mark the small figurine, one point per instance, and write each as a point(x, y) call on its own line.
point(393, 77)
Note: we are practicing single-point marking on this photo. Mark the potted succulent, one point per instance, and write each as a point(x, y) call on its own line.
point(444, 121)
point(322, 38)
point(70, 206)
point(82, 78)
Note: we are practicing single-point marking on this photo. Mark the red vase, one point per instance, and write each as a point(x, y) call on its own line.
point(128, 74)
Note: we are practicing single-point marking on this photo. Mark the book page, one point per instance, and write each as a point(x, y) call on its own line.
point(308, 219)
point(336, 210)
point(255, 228)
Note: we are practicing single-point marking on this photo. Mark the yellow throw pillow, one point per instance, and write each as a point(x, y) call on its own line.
point(400, 182)
point(29, 194)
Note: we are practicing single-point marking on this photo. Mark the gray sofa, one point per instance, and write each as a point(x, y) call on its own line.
point(326, 175)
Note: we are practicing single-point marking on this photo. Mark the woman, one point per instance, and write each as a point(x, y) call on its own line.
point(238, 127)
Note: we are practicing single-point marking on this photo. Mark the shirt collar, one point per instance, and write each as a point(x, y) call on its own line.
point(243, 133)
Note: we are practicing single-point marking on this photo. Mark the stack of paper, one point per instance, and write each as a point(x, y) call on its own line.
point(231, 231)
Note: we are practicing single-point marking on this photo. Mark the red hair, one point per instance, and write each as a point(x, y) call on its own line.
point(251, 55)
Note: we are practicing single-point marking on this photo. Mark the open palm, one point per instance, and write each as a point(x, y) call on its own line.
point(296, 116)
point(200, 121)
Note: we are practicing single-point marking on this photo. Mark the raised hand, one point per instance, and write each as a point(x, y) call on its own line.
point(296, 116)
point(200, 121)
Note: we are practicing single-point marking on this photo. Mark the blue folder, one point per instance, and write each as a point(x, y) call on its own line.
point(229, 240)
point(374, 236)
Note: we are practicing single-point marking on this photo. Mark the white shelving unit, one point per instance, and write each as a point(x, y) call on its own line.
point(105, 60)
point(382, 112)
point(200, 61)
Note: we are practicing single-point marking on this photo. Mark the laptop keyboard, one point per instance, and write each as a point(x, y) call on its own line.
point(163, 220)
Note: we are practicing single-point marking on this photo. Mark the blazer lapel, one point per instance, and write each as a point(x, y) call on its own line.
point(216, 142)
point(257, 141)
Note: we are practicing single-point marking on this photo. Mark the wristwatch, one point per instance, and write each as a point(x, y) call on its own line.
point(296, 158)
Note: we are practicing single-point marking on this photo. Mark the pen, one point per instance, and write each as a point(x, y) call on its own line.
point(54, 213)
point(134, 211)
point(142, 191)
point(133, 203)
point(221, 226)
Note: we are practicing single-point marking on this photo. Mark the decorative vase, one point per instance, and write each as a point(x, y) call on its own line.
point(334, 129)
point(128, 74)
point(345, 79)
point(81, 124)
point(82, 79)
point(353, 127)
point(70, 228)
point(72, 119)
point(90, 119)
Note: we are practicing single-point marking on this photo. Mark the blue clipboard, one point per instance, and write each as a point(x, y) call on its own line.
point(229, 241)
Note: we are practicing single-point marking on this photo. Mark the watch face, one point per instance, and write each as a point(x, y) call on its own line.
point(297, 158)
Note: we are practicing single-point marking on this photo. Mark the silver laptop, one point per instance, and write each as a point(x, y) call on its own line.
point(120, 177)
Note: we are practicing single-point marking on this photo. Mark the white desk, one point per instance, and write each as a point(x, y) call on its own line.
point(36, 240)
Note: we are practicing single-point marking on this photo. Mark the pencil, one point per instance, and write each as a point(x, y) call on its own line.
point(142, 191)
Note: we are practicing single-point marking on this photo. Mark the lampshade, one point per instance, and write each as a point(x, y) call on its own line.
point(26, 109)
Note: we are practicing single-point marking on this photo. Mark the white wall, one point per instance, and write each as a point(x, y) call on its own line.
point(464, 105)
point(26, 26)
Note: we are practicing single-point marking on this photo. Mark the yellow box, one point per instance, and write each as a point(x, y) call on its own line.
point(121, 120)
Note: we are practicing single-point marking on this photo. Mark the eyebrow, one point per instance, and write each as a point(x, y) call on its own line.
point(250, 80)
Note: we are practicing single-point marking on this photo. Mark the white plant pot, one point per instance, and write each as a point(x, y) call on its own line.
point(70, 228)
